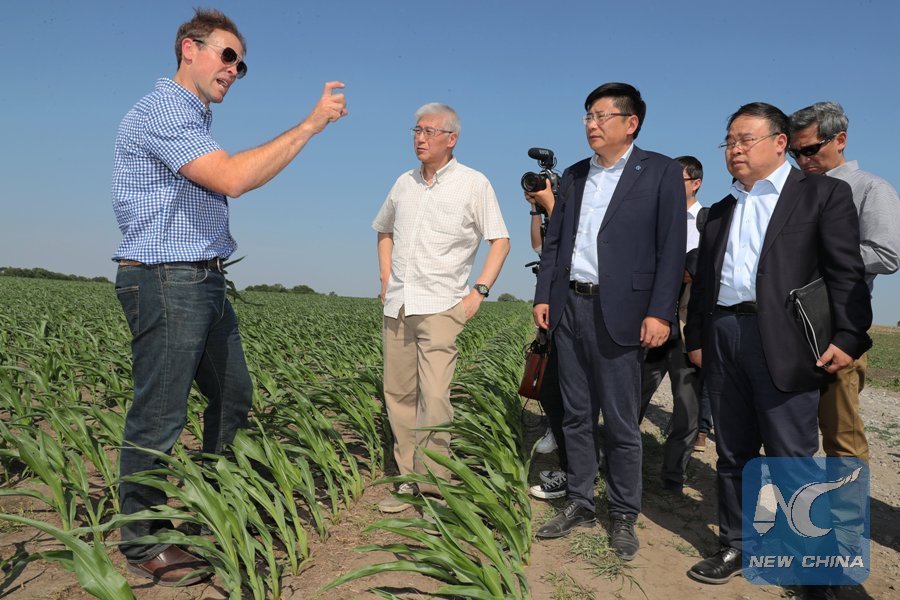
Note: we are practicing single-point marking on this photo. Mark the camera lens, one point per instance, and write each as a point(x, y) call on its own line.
point(533, 182)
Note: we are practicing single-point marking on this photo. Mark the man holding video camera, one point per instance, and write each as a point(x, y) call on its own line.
point(610, 273)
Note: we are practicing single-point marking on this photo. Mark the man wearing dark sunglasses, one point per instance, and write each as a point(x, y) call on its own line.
point(818, 139)
point(171, 184)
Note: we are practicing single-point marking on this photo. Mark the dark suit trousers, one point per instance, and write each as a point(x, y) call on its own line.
point(749, 412)
point(685, 379)
point(551, 401)
point(597, 376)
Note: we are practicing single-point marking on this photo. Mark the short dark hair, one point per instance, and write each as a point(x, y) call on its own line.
point(204, 22)
point(829, 116)
point(778, 121)
point(691, 166)
point(626, 97)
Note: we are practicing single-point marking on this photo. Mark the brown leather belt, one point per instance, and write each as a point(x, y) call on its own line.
point(744, 308)
point(213, 264)
point(584, 288)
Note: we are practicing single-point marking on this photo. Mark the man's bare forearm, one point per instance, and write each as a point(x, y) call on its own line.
point(234, 175)
point(494, 262)
point(385, 250)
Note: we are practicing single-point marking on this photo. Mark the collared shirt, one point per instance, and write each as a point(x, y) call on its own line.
point(163, 216)
point(437, 228)
point(749, 222)
point(693, 234)
point(598, 192)
point(879, 218)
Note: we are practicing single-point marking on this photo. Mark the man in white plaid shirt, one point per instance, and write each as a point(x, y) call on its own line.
point(429, 229)
point(171, 184)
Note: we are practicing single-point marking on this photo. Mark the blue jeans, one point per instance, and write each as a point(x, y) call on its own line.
point(183, 330)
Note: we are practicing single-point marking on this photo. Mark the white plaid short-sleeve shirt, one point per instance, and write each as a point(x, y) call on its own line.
point(163, 216)
point(437, 229)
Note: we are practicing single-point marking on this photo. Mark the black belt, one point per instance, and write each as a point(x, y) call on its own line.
point(585, 289)
point(213, 264)
point(744, 308)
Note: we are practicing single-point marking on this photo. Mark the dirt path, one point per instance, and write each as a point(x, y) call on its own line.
point(674, 534)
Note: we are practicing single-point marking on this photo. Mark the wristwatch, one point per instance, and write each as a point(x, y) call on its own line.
point(482, 289)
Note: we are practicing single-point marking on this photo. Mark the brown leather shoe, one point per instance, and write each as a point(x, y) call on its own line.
point(700, 442)
point(172, 567)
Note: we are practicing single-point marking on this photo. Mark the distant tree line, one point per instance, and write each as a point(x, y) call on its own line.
point(39, 273)
point(277, 287)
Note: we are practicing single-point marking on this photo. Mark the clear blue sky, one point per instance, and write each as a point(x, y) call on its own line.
point(517, 72)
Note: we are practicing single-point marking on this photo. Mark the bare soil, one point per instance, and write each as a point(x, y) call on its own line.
point(674, 534)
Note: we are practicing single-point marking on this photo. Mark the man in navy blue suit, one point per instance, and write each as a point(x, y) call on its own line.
point(610, 274)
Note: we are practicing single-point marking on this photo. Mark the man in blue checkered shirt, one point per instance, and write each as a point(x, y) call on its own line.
point(171, 185)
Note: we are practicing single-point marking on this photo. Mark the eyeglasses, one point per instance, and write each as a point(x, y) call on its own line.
point(229, 57)
point(428, 132)
point(746, 143)
point(600, 117)
point(691, 178)
point(810, 150)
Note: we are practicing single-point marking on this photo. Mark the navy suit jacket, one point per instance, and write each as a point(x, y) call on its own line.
point(640, 245)
point(813, 232)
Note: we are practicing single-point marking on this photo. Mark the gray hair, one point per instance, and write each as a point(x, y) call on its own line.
point(829, 116)
point(451, 119)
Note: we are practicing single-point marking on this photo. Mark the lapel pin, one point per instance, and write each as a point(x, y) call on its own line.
point(637, 167)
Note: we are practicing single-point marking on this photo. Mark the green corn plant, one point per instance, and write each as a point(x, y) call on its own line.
point(291, 477)
point(48, 461)
point(93, 567)
point(225, 510)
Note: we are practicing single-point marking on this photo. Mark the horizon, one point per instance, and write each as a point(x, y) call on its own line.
point(513, 87)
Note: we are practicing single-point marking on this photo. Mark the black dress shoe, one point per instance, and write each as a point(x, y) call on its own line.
point(719, 568)
point(572, 516)
point(813, 592)
point(622, 538)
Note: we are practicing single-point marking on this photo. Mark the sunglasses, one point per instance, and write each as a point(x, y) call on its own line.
point(228, 56)
point(810, 150)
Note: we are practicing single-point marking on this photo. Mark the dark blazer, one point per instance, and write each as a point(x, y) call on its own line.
point(814, 232)
point(640, 245)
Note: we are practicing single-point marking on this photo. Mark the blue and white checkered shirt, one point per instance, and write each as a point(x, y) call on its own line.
point(163, 216)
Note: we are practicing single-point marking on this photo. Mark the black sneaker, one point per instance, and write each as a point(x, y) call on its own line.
point(556, 486)
point(622, 538)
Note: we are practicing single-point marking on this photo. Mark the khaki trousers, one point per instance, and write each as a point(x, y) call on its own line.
point(419, 361)
point(842, 428)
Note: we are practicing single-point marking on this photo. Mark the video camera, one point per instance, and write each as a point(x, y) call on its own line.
point(535, 182)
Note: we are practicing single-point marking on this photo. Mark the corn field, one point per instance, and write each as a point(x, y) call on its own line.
point(317, 437)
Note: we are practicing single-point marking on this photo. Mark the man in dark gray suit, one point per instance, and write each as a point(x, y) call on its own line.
point(776, 231)
point(610, 273)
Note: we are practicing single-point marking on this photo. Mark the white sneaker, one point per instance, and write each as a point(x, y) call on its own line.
point(555, 487)
point(547, 444)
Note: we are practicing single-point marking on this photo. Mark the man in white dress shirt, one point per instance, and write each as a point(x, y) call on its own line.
point(429, 229)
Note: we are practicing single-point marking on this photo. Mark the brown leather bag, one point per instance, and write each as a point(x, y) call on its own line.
point(536, 355)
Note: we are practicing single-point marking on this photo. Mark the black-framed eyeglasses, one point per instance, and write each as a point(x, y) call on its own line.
point(691, 178)
point(810, 150)
point(602, 117)
point(427, 131)
point(229, 57)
